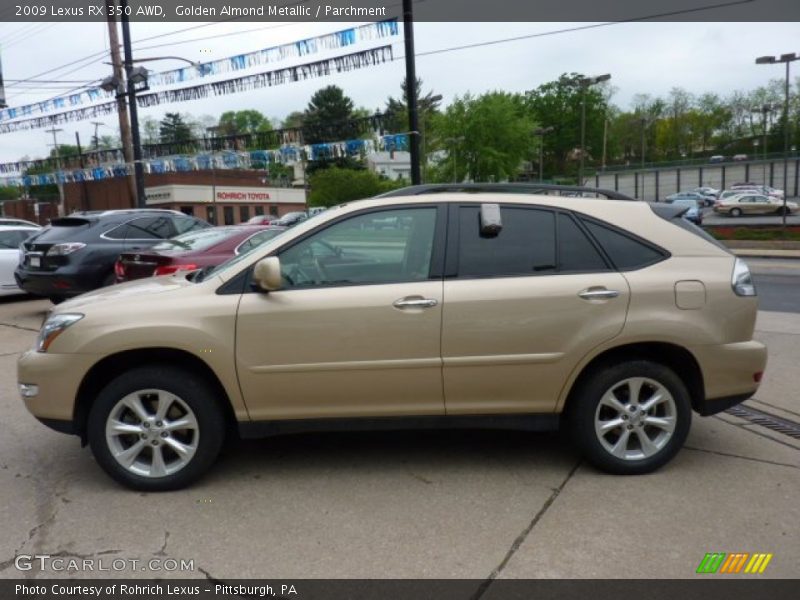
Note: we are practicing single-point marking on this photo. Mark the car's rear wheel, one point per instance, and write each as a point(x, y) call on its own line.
point(736, 212)
point(156, 429)
point(630, 418)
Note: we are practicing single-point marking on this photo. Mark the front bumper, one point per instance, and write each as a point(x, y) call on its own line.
point(58, 378)
point(731, 373)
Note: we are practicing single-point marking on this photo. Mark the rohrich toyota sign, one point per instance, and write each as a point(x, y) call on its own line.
point(248, 196)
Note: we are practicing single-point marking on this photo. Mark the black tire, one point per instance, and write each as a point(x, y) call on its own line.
point(586, 399)
point(736, 212)
point(193, 391)
point(57, 299)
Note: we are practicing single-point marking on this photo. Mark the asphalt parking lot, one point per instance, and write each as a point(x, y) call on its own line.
point(477, 505)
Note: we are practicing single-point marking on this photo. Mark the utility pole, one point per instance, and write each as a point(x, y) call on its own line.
point(138, 168)
point(54, 131)
point(411, 92)
point(96, 141)
point(122, 107)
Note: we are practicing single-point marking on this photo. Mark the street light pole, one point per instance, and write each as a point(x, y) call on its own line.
point(644, 125)
point(541, 132)
point(454, 141)
point(585, 83)
point(771, 60)
point(54, 131)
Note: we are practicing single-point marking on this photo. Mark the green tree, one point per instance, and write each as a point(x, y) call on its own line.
point(173, 129)
point(557, 104)
point(485, 138)
point(150, 130)
point(334, 185)
point(293, 120)
point(240, 122)
point(327, 116)
point(9, 192)
point(396, 111)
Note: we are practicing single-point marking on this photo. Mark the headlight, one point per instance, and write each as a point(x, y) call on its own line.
point(64, 249)
point(741, 281)
point(53, 327)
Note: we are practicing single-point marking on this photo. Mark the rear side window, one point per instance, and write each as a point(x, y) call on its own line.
point(63, 229)
point(184, 224)
point(576, 253)
point(526, 245)
point(147, 228)
point(625, 252)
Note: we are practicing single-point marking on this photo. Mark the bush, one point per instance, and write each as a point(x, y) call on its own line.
point(333, 186)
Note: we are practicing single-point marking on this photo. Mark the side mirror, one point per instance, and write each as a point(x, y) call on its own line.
point(267, 274)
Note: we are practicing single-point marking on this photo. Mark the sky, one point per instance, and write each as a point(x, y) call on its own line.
point(647, 58)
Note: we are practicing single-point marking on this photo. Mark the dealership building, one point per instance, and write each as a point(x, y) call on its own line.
point(225, 205)
point(220, 197)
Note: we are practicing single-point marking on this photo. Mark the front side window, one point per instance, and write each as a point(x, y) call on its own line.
point(378, 247)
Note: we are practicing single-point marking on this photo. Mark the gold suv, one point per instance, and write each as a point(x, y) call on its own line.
point(427, 307)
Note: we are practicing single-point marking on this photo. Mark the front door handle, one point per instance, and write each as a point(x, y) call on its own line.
point(598, 293)
point(415, 302)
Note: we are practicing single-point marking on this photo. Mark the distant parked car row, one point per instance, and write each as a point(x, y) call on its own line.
point(743, 198)
point(718, 158)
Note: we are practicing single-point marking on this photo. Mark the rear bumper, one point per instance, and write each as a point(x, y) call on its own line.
point(716, 405)
point(64, 282)
point(731, 373)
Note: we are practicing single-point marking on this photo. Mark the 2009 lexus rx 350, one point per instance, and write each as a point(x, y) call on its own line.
point(614, 318)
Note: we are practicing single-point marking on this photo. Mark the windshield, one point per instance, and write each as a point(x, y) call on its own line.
point(246, 252)
point(196, 240)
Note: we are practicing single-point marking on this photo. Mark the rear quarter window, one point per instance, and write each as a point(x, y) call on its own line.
point(625, 251)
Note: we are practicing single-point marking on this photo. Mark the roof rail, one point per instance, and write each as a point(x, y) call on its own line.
point(502, 188)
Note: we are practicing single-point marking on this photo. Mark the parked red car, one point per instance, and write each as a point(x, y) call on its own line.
point(261, 220)
point(193, 250)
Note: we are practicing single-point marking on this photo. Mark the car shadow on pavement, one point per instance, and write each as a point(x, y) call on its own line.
point(393, 451)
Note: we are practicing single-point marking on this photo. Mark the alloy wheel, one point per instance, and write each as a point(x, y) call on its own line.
point(635, 418)
point(152, 433)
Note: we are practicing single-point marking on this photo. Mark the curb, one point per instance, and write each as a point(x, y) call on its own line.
point(763, 253)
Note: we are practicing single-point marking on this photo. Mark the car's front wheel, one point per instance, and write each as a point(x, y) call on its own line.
point(736, 212)
point(156, 428)
point(630, 418)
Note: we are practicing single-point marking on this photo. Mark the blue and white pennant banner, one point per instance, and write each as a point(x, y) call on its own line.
point(275, 54)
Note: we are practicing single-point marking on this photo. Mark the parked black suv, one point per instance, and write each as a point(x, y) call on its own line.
point(76, 254)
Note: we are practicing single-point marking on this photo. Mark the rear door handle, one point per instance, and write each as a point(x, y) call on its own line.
point(598, 294)
point(415, 302)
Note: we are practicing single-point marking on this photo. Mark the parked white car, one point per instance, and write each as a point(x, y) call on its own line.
point(11, 236)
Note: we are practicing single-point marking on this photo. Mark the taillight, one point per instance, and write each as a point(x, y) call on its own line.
point(119, 269)
point(741, 281)
point(169, 269)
